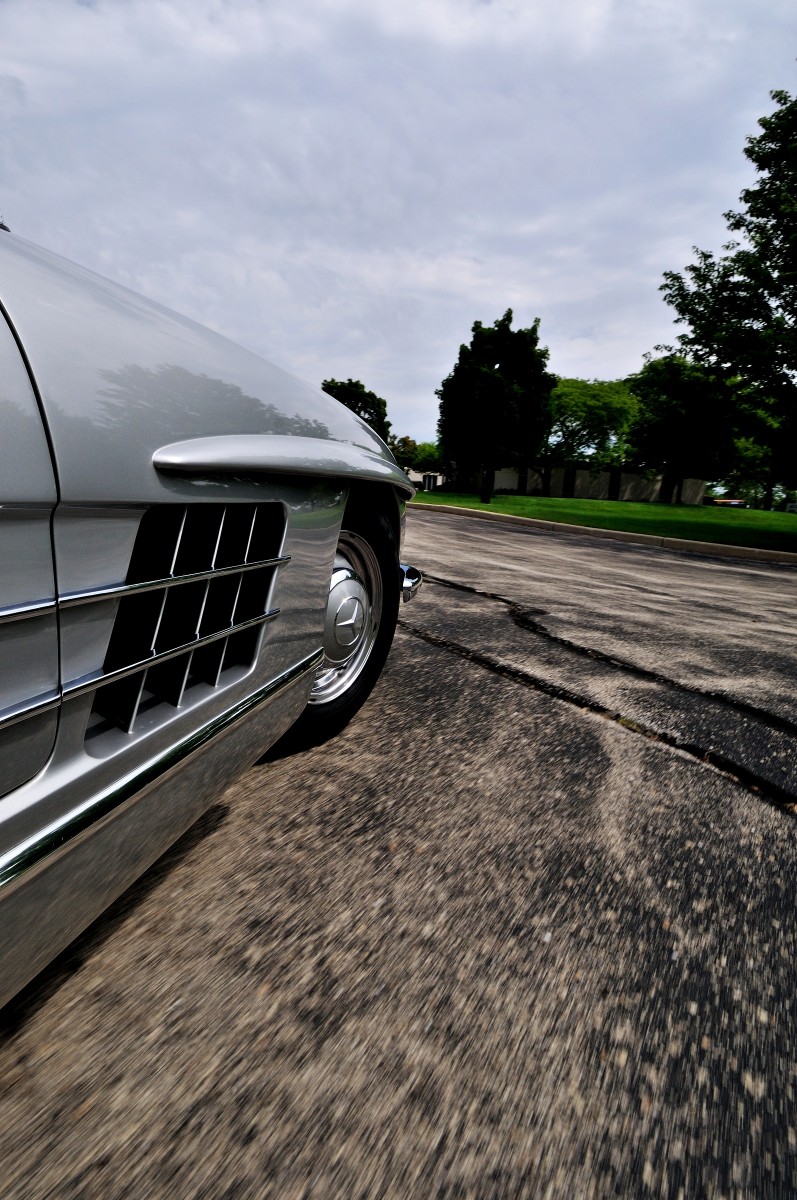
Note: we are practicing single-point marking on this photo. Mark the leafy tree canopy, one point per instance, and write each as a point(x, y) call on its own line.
point(495, 405)
point(687, 419)
point(404, 450)
point(417, 456)
point(740, 309)
point(591, 418)
point(369, 406)
point(427, 457)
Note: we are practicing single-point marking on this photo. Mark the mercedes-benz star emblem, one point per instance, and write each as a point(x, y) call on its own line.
point(349, 621)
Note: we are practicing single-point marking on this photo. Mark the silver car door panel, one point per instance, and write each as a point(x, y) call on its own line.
point(28, 626)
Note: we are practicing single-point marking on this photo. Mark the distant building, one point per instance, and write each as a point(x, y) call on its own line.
point(426, 481)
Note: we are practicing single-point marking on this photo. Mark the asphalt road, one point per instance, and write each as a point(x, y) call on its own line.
point(525, 929)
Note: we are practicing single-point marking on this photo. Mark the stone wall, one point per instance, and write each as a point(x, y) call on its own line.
point(586, 486)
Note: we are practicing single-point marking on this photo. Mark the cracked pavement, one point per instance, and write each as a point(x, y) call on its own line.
point(508, 935)
point(695, 652)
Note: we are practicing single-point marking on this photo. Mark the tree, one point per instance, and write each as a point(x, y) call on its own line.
point(404, 450)
point(591, 419)
point(369, 406)
point(740, 309)
point(495, 404)
point(427, 457)
point(686, 424)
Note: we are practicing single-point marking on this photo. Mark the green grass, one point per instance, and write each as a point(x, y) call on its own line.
point(734, 526)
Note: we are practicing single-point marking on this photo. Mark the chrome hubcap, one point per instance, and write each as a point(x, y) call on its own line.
point(354, 609)
point(347, 615)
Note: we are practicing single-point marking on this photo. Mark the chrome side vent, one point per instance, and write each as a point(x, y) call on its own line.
point(192, 607)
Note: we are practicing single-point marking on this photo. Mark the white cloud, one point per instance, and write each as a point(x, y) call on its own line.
point(346, 185)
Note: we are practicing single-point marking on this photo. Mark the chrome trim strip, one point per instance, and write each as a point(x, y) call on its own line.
point(56, 835)
point(26, 506)
point(29, 708)
point(19, 612)
point(71, 599)
point(90, 683)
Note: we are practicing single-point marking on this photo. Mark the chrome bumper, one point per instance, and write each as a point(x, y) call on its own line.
point(411, 580)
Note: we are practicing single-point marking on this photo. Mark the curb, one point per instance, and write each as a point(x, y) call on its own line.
point(715, 549)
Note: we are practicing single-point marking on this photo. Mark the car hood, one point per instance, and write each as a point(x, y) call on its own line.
point(120, 378)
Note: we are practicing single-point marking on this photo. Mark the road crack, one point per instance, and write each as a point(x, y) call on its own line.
point(727, 767)
point(526, 618)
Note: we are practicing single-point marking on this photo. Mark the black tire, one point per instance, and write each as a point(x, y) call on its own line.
point(366, 547)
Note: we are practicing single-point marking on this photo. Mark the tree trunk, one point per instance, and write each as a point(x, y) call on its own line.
point(569, 481)
point(666, 488)
point(487, 485)
point(523, 480)
point(615, 479)
point(545, 478)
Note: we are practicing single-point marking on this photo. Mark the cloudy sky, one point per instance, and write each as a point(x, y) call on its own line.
point(345, 186)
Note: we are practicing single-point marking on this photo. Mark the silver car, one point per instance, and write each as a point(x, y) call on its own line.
point(199, 552)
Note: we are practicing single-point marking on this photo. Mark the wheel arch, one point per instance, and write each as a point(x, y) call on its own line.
point(365, 498)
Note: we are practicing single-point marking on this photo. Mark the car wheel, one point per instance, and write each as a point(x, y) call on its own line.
point(361, 615)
